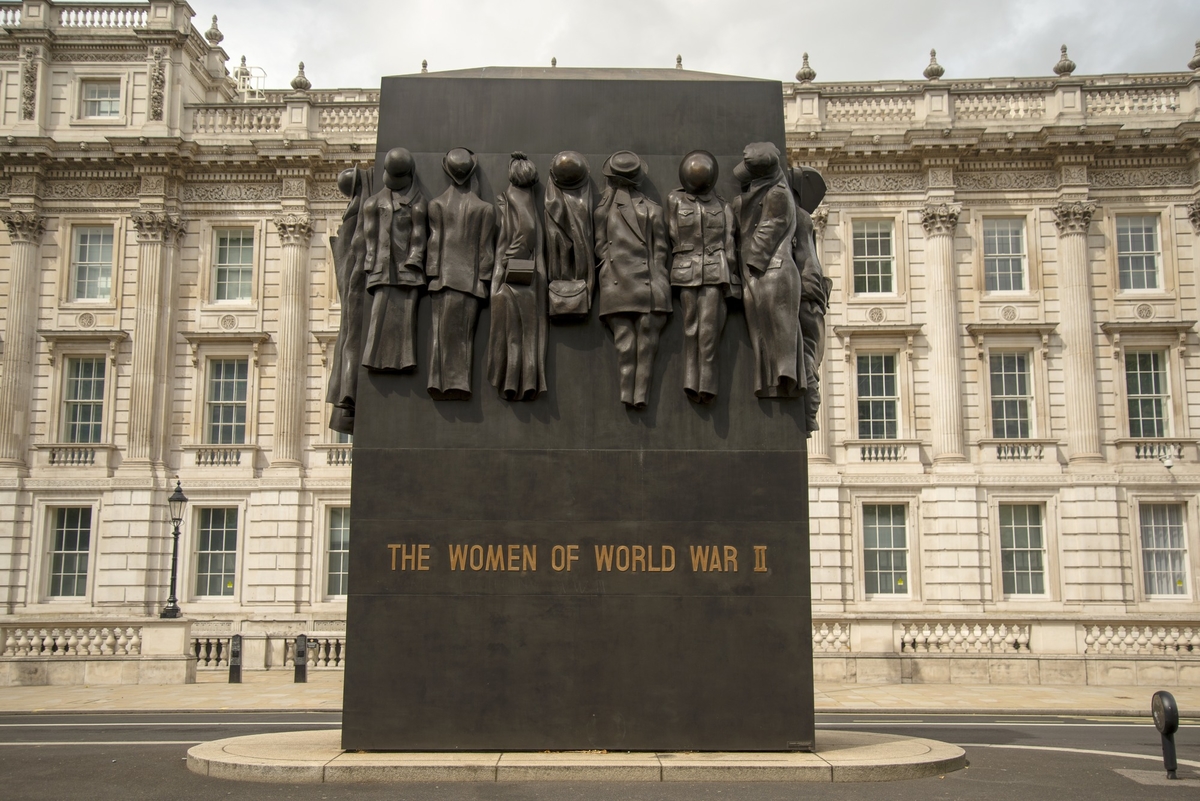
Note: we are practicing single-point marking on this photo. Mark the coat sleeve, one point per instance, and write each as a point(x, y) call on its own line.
point(433, 257)
point(731, 250)
point(487, 248)
point(370, 211)
point(772, 226)
point(673, 219)
point(502, 240)
point(812, 277)
point(416, 249)
point(662, 246)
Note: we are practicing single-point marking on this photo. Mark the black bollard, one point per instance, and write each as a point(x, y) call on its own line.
point(235, 659)
point(1166, 720)
point(302, 659)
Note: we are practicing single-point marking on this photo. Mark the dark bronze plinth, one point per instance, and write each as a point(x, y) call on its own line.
point(570, 572)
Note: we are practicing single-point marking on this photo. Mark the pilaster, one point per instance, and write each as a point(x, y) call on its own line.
point(1073, 220)
point(818, 443)
point(25, 229)
point(295, 234)
point(940, 221)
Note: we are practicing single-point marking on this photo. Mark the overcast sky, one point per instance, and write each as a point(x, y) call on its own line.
point(352, 43)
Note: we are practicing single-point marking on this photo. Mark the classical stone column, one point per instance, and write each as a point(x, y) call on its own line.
point(818, 443)
point(1076, 328)
point(940, 221)
point(295, 233)
point(25, 229)
point(157, 232)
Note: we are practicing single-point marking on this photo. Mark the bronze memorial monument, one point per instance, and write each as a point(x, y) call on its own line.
point(609, 550)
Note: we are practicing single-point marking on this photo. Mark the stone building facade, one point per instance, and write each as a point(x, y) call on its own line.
point(1004, 487)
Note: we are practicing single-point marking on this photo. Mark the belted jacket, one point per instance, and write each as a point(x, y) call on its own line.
point(703, 252)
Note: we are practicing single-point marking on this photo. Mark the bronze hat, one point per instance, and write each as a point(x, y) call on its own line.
point(569, 170)
point(398, 162)
point(459, 164)
point(698, 171)
point(761, 159)
point(625, 164)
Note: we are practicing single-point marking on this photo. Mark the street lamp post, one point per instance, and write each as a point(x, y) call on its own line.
point(177, 501)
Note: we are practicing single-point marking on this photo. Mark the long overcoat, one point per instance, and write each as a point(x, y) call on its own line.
point(632, 247)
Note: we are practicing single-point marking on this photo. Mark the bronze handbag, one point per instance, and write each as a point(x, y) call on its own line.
point(569, 298)
point(519, 271)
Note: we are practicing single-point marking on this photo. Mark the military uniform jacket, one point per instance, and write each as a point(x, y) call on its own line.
point(631, 246)
point(395, 238)
point(702, 245)
point(462, 242)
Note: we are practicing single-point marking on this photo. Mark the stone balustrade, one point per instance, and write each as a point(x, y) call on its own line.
point(1171, 639)
point(57, 651)
point(103, 16)
point(22, 641)
point(936, 637)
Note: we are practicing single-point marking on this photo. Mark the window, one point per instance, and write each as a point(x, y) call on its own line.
point(1146, 392)
point(1164, 554)
point(72, 544)
point(227, 382)
point(91, 267)
point(874, 264)
point(1137, 252)
point(216, 563)
point(877, 396)
point(342, 438)
point(83, 404)
point(1004, 255)
point(1022, 553)
point(885, 548)
point(339, 550)
point(1010, 395)
point(102, 99)
point(234, 264)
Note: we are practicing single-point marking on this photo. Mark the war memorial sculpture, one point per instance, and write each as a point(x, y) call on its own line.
point(611, 549)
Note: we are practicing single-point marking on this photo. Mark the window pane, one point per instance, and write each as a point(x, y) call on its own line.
point(69, 559)
point(228, 381)
point(339, 550)
point(91, 263)
point(83, 400)
point(874, 264)
point(1137, 252)
point(1004, 255)
point(885, 549)
point(216, 554)
point(1164, 549)
point(1021, 549)
point(1011, 396)
point(877, 396)
point(102, 99)
point(234, 264)
point(1146, 393)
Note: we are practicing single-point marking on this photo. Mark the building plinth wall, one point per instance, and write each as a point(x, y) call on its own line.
point(1065, 506)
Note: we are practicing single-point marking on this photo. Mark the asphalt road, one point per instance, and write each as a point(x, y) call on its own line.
point(101, 757)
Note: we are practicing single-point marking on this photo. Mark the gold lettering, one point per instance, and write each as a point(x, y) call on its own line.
point(458, 557)
point(514, 558)
point(604, 557)
point(477, 557)
point(668, 550)
point(558, 558)
point(572, 555)
point(639, 555)
point(622, 550)
point(699, 558)
point(393, 549)
point(422, 557)
point(650, 568)
point(730, 558)
point(760, 559)
point(408, 557)
point(529, 557)
point(714, 562)
point(495, 557)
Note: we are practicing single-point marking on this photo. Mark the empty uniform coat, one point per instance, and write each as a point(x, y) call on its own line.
point(632, 246)
point(702, 229)
point(462, 242)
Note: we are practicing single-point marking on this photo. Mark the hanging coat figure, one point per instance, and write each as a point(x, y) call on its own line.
point(766, 213)
point(516, 355)
point(349, 253)
point(570, 247)
point(462, 245)
point(808, 189)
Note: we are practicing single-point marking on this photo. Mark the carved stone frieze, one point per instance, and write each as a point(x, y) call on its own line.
point(24, 185)
point(1181, 176)
point(97, 190)
point(322, 192)
point(29, 80)
point(1074, 217)
point(24, 226)
point(1074, 174)
point(1002, 181)
point(295, 187)
point(941, 177)
point(158, 83)
point(230, 193)
point(940, 219)
point(153, 185)
point(1193, 210)
point(294, 228)
point(5, 185)
point(157, 226)
point(902, 182)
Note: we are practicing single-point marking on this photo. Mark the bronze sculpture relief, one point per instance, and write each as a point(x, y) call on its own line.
point(808, 189)
point(516, 358)
point(635, 289)
point(462, 243)
point(704, 268)
point(349, 250)
point(766, 214)
point(570, 255)
point(394, 230)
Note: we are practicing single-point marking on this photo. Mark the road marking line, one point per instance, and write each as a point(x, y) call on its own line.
point(978, 725)
point(1074, 751)
point(161, 725)
point(109, 742)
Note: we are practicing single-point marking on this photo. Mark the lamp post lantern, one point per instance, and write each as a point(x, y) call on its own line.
point(176, 502)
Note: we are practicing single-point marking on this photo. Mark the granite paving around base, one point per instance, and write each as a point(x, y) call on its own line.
point(314, 757)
